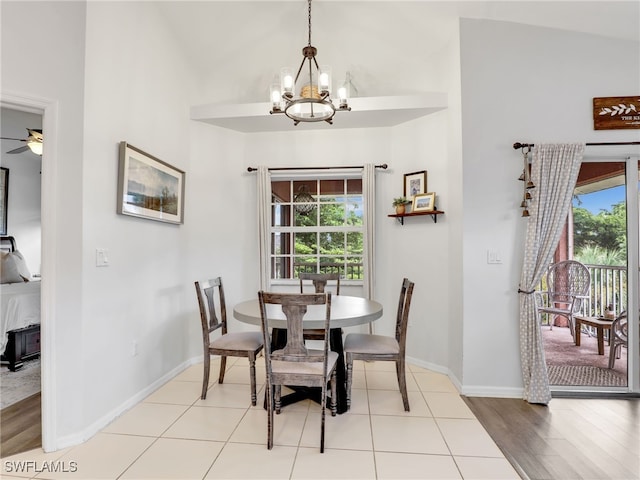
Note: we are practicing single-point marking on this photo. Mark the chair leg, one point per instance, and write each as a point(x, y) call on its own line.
point(402, 383)
point(334, 403)
point(571, 328)
point(323, 407)
point(612, 355)
point(205, 375)
point(223, 368)
point(269, 399)
point(278, 393)
point(252, 376)
point(349, 379)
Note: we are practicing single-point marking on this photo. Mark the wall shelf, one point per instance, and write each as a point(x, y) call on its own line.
point(401, 216)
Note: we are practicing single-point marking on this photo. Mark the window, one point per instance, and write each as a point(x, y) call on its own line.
point(322, 234)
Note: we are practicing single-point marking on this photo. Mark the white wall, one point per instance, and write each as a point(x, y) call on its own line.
point(56, 31)
point(23, 206)
point(528, 84)
point(139, 320)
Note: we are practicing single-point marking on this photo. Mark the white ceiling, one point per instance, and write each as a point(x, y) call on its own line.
point(240, 45)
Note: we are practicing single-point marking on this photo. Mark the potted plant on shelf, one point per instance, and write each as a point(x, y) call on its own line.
point(400, 204)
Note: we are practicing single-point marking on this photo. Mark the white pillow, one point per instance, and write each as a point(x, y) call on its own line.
point(13, 268)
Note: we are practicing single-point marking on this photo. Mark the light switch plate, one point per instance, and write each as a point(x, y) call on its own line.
point(102, 257)
point(494, 257)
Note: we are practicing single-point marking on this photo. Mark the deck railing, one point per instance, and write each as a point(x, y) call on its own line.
point(608, 287)
point(352, 271)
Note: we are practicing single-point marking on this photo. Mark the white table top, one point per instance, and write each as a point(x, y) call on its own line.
point(346, 311)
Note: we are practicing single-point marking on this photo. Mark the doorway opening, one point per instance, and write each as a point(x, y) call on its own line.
point(598, 235)
point(20, 370)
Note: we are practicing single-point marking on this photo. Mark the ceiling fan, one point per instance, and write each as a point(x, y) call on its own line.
point(34, 142)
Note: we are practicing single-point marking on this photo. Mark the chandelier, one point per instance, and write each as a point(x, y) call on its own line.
point(304, 201)
point(313, 104)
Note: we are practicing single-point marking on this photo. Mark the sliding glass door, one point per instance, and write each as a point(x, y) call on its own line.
point(602, 232)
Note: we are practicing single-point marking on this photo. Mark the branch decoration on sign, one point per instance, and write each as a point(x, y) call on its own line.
point(618, 109)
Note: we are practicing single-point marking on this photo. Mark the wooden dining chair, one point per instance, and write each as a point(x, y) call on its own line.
point(236, 344)
point(319, 282)
point(295, 364)
point(364, 346)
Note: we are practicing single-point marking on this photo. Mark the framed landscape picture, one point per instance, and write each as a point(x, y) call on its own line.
point(415, 183)
point(148, 187)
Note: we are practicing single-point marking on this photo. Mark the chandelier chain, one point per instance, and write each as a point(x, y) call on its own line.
point(309, 8)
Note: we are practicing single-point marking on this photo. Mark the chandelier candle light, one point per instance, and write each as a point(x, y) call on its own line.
point(314, 103)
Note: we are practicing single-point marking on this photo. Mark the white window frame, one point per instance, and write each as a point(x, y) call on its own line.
point(313, 175)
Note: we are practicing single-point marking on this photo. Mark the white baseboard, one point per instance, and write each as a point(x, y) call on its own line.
point(495, 392)
point(469, 390)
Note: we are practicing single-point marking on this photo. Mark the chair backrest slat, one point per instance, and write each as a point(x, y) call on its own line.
point(319, 281)
point(206, 291)
point(294, 307)
point(404, 304)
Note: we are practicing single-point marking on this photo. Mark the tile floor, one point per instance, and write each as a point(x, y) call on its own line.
point(173, 434)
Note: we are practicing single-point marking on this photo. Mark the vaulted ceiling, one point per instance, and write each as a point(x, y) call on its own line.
point(242, 44)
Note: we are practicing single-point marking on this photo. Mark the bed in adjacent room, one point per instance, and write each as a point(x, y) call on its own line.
point(19, 307)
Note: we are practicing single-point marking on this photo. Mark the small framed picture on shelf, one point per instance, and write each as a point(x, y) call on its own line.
point(415, 183)
point(424, 202)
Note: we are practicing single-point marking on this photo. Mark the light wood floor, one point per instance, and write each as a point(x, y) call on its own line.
point(21, 426)
point(572, 438)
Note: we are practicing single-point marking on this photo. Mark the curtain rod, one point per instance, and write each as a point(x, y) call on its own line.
point(518, 145)
point(253, 169)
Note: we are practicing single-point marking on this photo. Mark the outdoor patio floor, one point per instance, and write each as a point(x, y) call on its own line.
point(560, 350)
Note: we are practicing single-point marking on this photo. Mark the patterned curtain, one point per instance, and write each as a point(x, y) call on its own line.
point(554, 171)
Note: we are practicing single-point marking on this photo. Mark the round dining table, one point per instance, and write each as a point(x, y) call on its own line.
point(346, 311)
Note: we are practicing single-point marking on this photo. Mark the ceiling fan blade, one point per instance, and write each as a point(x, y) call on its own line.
point(19, 150)
point(34, 140)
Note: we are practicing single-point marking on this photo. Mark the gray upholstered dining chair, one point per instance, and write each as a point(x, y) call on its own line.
point(295, 364)
point(235, 344)
point(319, 282)
point(364, 346)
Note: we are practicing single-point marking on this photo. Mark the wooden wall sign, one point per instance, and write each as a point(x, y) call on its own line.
point(616, 113)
